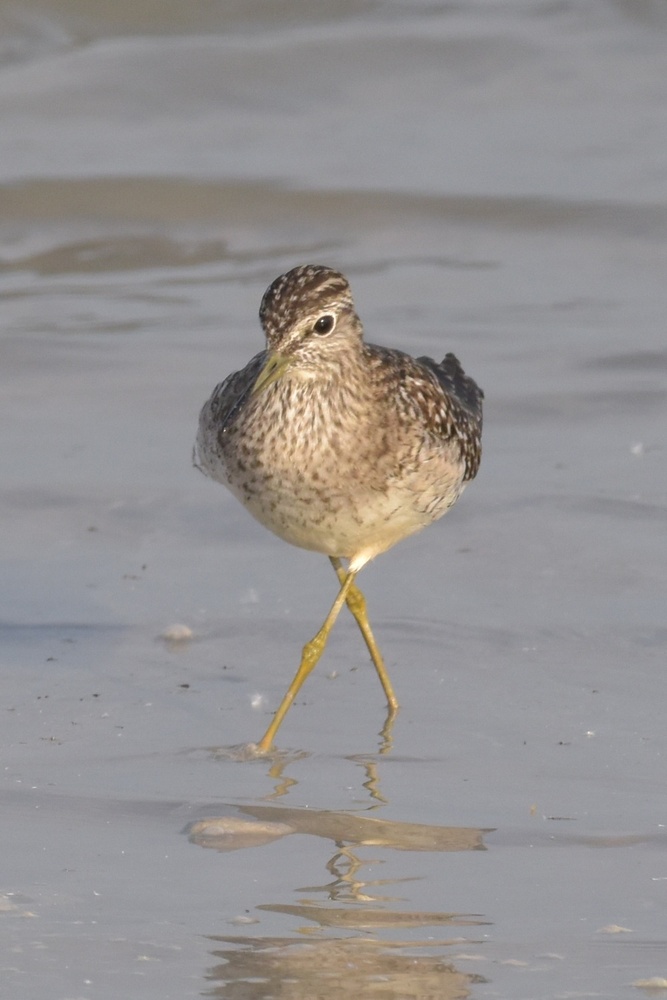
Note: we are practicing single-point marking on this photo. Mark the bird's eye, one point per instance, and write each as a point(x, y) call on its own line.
point(324, 324)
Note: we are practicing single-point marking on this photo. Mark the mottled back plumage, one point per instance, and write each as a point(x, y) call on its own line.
point(464, 398)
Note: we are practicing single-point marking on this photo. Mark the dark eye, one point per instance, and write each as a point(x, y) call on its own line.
point(324, 324)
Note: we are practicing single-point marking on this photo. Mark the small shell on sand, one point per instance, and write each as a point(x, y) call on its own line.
point(177, 633)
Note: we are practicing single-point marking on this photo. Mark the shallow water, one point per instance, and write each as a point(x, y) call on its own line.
point(492, 178)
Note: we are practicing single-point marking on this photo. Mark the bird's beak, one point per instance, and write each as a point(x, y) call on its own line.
point(274, 366)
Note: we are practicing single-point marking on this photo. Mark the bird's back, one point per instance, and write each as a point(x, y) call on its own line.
point(434, 399)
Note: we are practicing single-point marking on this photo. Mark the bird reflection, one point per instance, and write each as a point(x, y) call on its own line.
point(332, 967)
point(352, 962)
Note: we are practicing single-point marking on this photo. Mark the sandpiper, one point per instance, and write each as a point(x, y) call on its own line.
point(336, 445)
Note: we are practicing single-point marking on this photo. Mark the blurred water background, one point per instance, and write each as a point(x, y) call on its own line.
point(492, 178)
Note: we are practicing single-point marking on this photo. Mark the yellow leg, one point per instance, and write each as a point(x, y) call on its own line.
point(311, 654)
point(356, 602)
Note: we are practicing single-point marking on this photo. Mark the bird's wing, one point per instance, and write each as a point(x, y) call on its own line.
point(228, 397)
point(220, 410)
point(458, 416)
point(446, 402)
point(451, 376)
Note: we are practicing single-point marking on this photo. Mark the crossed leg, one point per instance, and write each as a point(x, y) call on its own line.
point(356, 602)
point(348, 594)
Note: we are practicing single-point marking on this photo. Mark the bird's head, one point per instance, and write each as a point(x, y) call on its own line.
point(309, 321)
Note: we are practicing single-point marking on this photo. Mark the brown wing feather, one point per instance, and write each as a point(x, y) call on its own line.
point(446, 400)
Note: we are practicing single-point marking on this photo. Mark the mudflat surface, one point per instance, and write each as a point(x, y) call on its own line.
point(493, 180)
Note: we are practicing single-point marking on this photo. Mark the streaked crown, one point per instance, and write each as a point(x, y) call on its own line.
point(302, 292)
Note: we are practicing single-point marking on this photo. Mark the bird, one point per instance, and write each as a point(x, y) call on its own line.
point(337, 445)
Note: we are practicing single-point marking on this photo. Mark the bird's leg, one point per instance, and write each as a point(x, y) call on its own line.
point(311, 654)
point(356, 602)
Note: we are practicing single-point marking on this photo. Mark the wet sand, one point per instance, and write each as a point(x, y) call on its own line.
point(492, 180)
